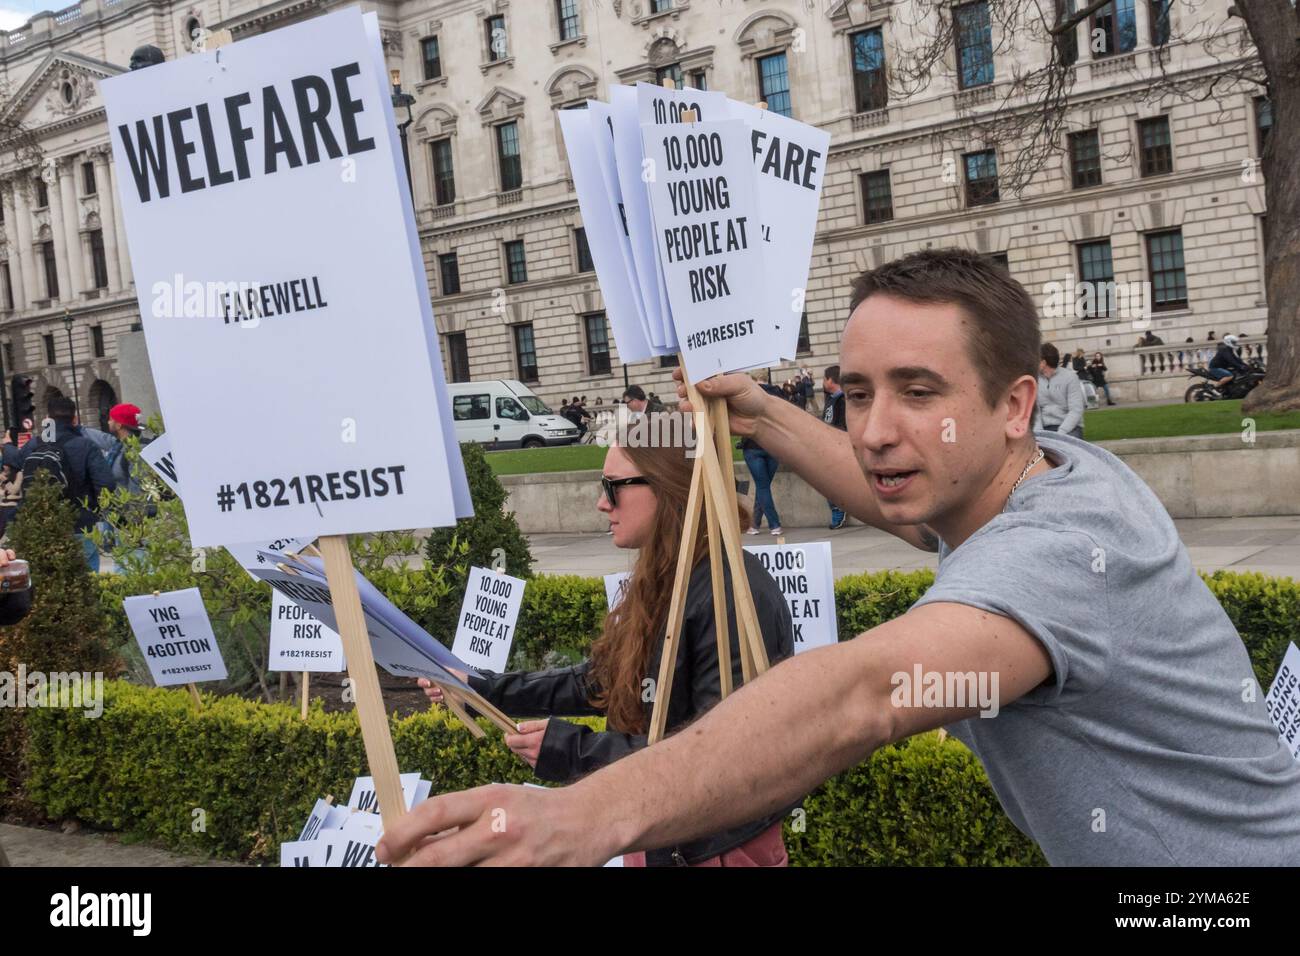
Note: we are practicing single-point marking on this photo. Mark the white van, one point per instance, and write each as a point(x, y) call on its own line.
point(503, 413)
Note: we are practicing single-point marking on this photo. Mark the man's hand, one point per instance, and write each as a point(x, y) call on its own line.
point(500, 825)
point(746, 402)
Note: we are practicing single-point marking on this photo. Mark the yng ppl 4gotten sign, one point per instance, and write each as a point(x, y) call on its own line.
point(272, 162)
point(175, 637)
point(487, 619)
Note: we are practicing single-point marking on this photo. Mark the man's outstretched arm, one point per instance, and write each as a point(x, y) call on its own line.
point(762, 748)
point(819, 454)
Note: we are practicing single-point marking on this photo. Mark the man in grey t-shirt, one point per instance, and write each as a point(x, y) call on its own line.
point(1073, 646)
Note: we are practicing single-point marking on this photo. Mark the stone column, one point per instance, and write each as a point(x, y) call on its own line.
point(16, 250)
point(23, 238)
point(67, 173)
point(108, 218)
point(123, 252)
point(60, 244)
point(1142, 23)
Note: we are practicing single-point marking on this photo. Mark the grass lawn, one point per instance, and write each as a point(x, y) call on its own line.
point(1196, 418)
point(1199, 418)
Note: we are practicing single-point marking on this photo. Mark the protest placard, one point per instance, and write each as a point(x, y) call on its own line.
point(175, 637)
point(486, 626)
point(804, 575)
point(291, 130)
point(615, 588)
point(707, 230)
point(299, 642)
point(364, 799)
point(1283, 700)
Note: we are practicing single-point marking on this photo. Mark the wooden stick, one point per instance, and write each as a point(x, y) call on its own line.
point(722, 443)
point(677, 605)
point(375, 732)
point(719, 599)
point(668, 83)
point(456, 705)
point(194, 693)
point(484, 706)
point(306, 684)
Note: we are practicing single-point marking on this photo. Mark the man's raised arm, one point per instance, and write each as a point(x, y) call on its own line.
point(762, 748)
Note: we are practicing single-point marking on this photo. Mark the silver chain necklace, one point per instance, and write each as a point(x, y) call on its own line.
point(1038, 456)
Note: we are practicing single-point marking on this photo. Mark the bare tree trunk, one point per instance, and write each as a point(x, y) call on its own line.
point(1275, 29)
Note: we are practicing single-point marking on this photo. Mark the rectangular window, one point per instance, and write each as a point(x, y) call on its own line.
point(1263, 120)
point(42, 194)
point(1067, 43)
point(49, 348)
point(1156, 153)
point(98, 262)
point(444, 175)
point(97, 340)
point(668, 361)
point(431, 57)
point(597, 344)
point(458, 353)
point(1114, 29)
point(1168, 277)
point(9, 286)
point(805, 343)
point(774, 83)
point(449, 273)
point(584, 251)
point(471, 408)
point(974, 38)
point(869, 88)
point(525, 353)
point(697, 80)
point(51, 270)
point(516, 264)
point(660, 6)
point(88, 178)
point(673, 71)
point(496, 38)
point(567, 11)
point(1001, 259)
point(1085, 159)
point(877, 198)
point(981, 178)
point(512, 175)
point(1159, 22)
point(1096, 272)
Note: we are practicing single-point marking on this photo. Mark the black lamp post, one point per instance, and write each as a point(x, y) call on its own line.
point(72, 358)
point(401, 99)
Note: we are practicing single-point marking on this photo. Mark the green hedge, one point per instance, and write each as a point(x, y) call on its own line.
point(151, 760)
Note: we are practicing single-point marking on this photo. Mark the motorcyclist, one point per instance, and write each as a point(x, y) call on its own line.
point(1226, 362)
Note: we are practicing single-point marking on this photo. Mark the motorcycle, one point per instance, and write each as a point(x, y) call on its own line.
point(1209, 390)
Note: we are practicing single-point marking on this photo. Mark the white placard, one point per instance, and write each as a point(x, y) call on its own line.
point(607, 237)
point(615, 588)
point(1283, 700)
point(804, 575)
point(365, 800)
point(709, 236)
point(486, 627)
point(298, 853)
point(175, 637)
point(208, 146)
point(790, 163)
point(299, 642)
point(320, 812)
point(159, 456)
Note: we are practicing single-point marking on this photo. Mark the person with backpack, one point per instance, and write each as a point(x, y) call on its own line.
point(74, 462)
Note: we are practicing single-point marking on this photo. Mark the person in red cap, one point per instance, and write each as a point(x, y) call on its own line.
point(123, 422)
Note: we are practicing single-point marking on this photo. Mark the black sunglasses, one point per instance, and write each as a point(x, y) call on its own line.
point(609, 484)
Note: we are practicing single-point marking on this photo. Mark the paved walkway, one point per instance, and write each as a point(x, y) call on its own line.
point(31, 846)
point(1269, 545)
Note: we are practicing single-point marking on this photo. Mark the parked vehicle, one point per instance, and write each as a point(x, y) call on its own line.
point(504, 413)
point(1208, 389)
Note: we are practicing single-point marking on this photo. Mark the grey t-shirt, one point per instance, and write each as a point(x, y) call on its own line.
point(1144, 747)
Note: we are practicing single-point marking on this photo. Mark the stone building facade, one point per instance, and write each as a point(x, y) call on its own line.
point(1164, 195)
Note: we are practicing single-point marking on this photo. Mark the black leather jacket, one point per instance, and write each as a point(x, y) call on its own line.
point(569, 750)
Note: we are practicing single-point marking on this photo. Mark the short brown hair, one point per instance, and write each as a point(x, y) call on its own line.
point(1004, 338)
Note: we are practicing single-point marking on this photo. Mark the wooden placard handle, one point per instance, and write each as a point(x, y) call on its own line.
point(375, 732)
